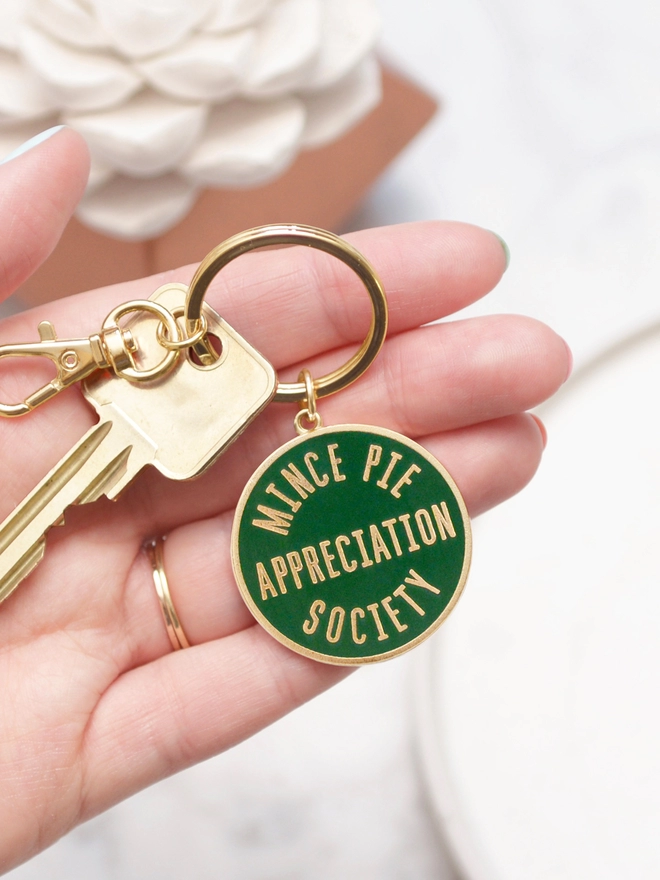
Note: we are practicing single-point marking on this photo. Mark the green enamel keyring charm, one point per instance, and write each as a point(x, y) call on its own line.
point(310, 236)
point(351, 544)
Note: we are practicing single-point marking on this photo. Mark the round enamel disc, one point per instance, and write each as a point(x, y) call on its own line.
point(351, 544)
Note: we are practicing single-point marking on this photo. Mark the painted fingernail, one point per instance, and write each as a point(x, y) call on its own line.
point(33, 142)
point(570, 361)
point(505, 248)
point(542, 429)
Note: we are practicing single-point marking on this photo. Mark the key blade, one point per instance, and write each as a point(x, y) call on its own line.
point(90, 469)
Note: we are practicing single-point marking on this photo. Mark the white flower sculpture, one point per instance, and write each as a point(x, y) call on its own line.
point(176, 95)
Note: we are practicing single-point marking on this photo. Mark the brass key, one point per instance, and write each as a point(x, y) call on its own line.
point(179, 423)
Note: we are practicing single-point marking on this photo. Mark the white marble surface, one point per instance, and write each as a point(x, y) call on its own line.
point(549, 135)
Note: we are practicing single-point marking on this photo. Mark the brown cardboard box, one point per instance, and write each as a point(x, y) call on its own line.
point(321, 188)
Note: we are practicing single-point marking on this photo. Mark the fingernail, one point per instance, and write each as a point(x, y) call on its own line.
point(505, 248)
point(570, 360)
point(33, 142)
point(542, 429)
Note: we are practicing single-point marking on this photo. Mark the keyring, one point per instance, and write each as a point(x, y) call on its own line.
point(268, 236)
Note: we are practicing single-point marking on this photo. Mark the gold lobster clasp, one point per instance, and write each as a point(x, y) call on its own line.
point(74, 359)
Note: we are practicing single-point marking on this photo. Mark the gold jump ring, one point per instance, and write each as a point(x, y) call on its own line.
point(307, 411)
point(268, 236)
point(308, 403)
point(189, 341)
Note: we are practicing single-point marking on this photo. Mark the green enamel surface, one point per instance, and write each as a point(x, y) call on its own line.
point(344, 507)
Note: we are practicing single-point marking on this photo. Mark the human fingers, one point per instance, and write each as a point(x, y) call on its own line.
point(423, 384)
point(433, 379)
point(295, 302)
point(417, 276)
point(156, 720)
point(39, 190)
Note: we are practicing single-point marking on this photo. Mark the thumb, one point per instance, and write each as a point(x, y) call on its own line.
point(40, 186)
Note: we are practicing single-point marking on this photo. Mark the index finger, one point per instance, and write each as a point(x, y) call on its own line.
point(297, 302)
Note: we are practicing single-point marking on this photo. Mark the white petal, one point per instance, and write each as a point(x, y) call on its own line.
point(247, 143)
point(136, 210)
point(22, 94)
point(69, 21)
point(99, 174)
point(288, 39)
point(349, 29)
point(12, 136)
point(78, 80)
point(232, 14)
point(144, 137)
point(333, 111)
point(204, 68)
point(12, 13)
point(143, 27)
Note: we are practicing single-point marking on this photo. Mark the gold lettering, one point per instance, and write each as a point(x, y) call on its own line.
point(416, 580)
point(405, 479)
point(373, 457)
point(389, 525)
point(296, 565)
point(382, 635)
point(280, 569)
point(394, 457)
point(310, 626)
point(378, 545)
point(345, 564)
point(335, 462)
point(320, 481)
point(328, 557)
point(412, 543)
point(265, 583)
point(401, 591)
point(393, 614)
point(358, 638)
point(294, 505)
point(311, 558)
point(366, 562)
point(443, 519)
point(279, 522)
point(337, 614)
point(297, 481)
point(426, 531)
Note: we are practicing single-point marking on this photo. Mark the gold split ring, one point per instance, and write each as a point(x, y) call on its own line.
point(188, 342)
point(154, 550)
point(269, 236)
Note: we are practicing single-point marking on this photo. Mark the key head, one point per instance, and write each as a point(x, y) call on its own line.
point(194, 412)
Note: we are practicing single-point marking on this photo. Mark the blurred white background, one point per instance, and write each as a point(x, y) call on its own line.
point(549, 135)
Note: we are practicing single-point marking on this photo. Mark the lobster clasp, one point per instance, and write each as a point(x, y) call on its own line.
point(74, 359)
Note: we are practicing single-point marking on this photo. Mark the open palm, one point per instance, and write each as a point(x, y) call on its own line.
point(94, 703)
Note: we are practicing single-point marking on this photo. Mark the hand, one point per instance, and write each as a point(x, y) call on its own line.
point(95, 704)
